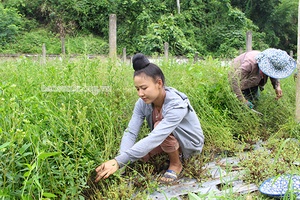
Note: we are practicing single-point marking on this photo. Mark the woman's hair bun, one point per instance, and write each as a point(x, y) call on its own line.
point(140, 61)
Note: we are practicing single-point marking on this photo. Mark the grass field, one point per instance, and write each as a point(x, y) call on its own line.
point(60, 120)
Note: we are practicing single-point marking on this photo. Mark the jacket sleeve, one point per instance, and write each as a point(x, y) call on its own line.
point(239, 73)
point(275, 82)
point(171, 120)
point(131, 133)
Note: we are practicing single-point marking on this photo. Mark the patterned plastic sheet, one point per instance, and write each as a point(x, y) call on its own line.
point(279, 186)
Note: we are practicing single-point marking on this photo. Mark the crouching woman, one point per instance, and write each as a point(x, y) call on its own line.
point(175, 127)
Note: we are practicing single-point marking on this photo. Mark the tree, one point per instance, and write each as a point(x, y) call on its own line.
point(11, 24)
point(283, 22)
point(256, 10)
point(56, 11)
point(212, 27)
point(218, 26)
point(165, 30)
point(279, 20)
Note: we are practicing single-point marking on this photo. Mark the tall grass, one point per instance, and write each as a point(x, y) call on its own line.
point(31, 42)
point(58, 122)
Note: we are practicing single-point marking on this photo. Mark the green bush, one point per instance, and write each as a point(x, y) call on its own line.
point(32, 42)
point(10, 25)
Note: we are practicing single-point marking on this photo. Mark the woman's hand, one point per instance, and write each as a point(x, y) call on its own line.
point(106, 169)
point(248, 103)
point(278, 92)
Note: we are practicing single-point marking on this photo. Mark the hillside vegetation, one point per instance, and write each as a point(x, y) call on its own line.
point(215, 27)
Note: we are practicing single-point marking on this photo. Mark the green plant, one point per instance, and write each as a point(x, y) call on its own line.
point(278, 157)
point(165, 30)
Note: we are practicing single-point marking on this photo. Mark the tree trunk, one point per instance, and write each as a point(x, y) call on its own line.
point(178, 6)
point(62, 34)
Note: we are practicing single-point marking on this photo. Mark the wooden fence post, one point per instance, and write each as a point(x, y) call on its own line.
point(241, 50)
point(63, 46)
point(44, 54)
point(249, 41)
point(178, 6)
point(124, 55)
point(196, 57)
point(166, 47)
point(112, 36)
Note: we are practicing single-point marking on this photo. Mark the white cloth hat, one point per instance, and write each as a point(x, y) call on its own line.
point(275, 63)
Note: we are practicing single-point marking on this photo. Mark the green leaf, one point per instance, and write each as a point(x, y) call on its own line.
point(4, 145)
point(193, 196)
point(48, 195)
point(30, 167)
point(46, 155)
point(26, 174)
point(24, 147)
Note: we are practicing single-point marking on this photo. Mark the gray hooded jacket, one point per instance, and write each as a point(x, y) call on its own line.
point(179, 118)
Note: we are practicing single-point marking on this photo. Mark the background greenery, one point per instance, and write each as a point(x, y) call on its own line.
point(208, 27)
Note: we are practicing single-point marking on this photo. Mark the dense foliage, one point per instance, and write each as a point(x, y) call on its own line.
point(10, 25)
point(214, 27)
point(276, 18)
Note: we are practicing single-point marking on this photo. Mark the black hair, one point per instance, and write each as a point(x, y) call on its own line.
point(141, 64)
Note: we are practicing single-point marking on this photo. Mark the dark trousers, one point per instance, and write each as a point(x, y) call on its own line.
point(251, 94)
